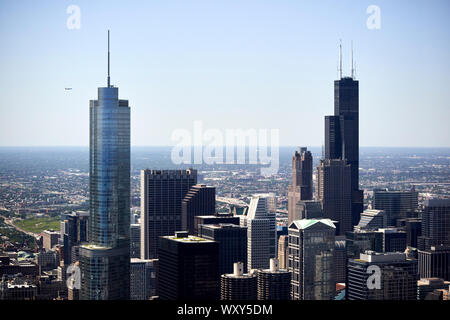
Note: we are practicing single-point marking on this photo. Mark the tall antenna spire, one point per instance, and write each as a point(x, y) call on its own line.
point(109, 80)
point(340, 59)
point(353, 70)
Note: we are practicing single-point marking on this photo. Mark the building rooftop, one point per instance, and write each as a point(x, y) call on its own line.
point(372, 256)
point(183, 236)
point(307, 223)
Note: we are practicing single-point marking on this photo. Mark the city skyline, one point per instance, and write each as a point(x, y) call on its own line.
point(252, 59)
point(224, 213)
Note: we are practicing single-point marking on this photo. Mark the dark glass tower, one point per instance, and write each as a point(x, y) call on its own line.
point(200, 200)
point(342, 135)
point(188, 268)
point(105, 261)
point(162, 194)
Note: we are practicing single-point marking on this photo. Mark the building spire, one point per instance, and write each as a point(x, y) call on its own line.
point(353, 69)
point(109, 79)
point(340, 59)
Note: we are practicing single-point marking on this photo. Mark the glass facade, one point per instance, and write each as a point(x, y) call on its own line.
point(105, 261)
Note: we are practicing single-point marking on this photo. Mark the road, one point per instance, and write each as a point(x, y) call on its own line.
point(10, 222)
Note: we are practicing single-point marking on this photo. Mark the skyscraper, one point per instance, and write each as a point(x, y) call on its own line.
point(301, 187)
point(74, 232)
point(232, 241)
point(308, 209)
point(162, 193)
point(200, 200)
point(238, 285)
point(372, 219)
point(397, 279)
point(394, 240)
point(105, 261)
point(274, 283)
point(261, 232)
point(342, 135)
point(311, 259)
point(283, 256)
point(334, 191)
point(143, 279)
point(396, 204)
point(188, 268)
point(435, 224)
point(135, 241)
point(340, 259)
point(214, 219)
point(435, 262)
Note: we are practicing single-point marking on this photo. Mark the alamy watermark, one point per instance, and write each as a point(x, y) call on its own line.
point(374, 280)
point(73, 277)
point(207, 147)
point(74, 20)
point(374, 20)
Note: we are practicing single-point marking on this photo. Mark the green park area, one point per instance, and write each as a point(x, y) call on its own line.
point(37, 225)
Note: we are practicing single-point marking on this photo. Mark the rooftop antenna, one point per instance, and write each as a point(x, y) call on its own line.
point(109, 80)
point(353, 70)
point(340, 59)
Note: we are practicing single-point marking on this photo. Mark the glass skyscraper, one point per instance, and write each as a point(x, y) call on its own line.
point(342, 136)
point(105, 261)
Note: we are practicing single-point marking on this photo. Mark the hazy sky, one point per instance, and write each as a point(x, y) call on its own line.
point(230, 63)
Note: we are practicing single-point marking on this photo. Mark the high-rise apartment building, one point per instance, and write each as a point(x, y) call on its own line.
point(311, 259)
point(301, 187)
point(105, 261)
point(200, 200)
point(238, 285)
point(274, 283)
point(162, 193)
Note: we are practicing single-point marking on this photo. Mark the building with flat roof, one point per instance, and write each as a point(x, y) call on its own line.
point(426, 286)
point(382, 276)
point(188, 268)
point(232, 241)
point(142, 278)
point(397, 204)
point(162, 193)
point(261, 232)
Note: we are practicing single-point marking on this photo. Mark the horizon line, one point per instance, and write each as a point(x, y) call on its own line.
point(172, 146)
